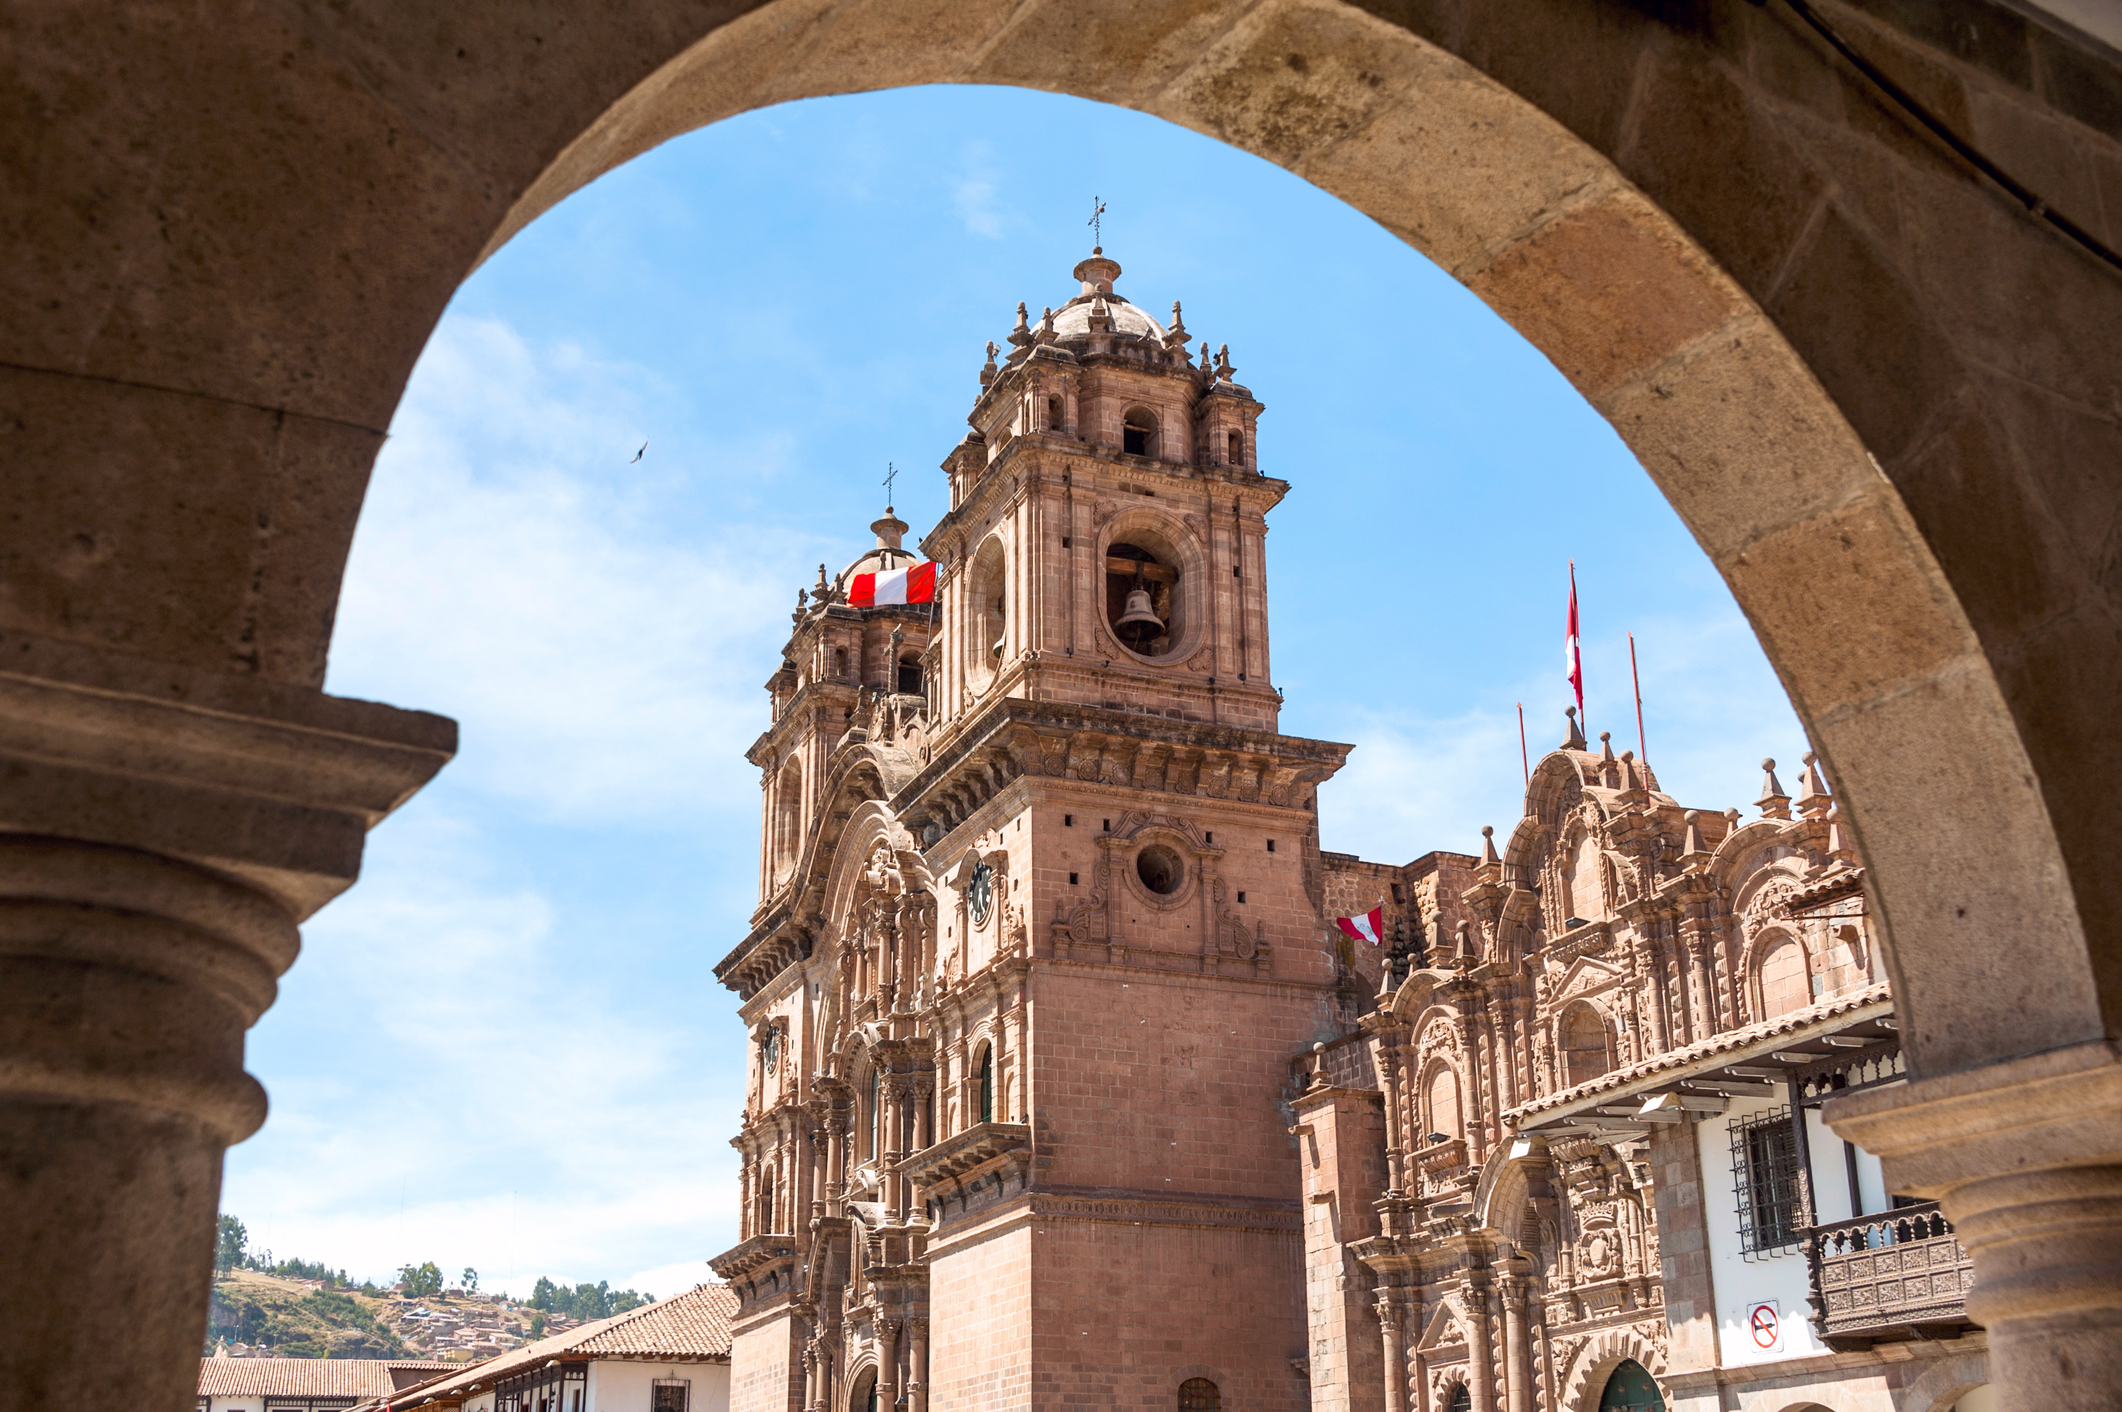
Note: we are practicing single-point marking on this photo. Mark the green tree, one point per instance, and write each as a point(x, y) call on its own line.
point(421, 1281)
point(471, 1280)
point(229, 1244)
point(537, 1326)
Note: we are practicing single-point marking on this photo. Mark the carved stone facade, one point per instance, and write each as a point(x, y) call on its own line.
point(1040, 922)
point(1064, 1086)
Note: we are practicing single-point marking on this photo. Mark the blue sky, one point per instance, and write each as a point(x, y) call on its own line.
point(506, 1048)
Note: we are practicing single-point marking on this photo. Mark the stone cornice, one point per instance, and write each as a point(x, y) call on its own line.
point(271, 783)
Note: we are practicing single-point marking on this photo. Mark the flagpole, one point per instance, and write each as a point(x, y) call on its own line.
point(1576, 634)
point(1525, 761)
point(1642, 750)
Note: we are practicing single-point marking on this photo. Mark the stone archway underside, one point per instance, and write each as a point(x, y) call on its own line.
point(1870, 389)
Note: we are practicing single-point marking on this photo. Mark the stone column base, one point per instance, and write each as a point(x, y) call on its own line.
point(2025, 1157)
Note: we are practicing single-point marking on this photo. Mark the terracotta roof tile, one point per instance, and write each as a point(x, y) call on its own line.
point(1745, 1037)
point(693, 1327)
point(306, 1377)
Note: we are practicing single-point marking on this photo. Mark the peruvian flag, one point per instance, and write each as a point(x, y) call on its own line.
point(1570, 658)
point(914, 584)
point(1369, 927)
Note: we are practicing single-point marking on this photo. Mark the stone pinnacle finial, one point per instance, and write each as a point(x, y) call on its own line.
point(1773, 803)
point(1813, 798)
point(1488, 844)
point(987, 373)
point(1575, 739)
point(1691, 842)
point(1465, 952)
point(1021, 335)
point(1606, 747)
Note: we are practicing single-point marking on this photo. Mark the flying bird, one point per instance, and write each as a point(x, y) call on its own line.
point(639, 454)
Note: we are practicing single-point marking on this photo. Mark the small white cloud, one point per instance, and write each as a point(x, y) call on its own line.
point(512, 570)
point(973, 192)
point(1713, 709)
point(491, 1105)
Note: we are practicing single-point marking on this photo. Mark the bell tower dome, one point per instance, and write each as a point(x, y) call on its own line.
point(1105, 543)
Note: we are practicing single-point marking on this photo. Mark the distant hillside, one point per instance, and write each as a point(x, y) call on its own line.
point(261, 1315)
point(294, 1319)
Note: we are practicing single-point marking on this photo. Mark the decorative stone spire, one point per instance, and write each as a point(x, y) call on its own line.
point(1466, 955)
point(1488, 844)
point(1773, 803)
point(1575, 739)
point(1021, 335)
point(987, 374)
point(1813, 798)
point(1838, 837)
point(1175, 338)
point(1224, 371)
point(1691, 841)
point(1046, 327)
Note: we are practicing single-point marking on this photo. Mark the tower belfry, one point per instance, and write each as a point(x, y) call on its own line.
point(1035, 944)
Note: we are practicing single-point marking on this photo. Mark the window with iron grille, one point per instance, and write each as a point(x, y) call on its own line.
point(669, 1394)
point(1771, 1189)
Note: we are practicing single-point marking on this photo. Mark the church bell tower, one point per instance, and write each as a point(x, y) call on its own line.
point(1036, 944)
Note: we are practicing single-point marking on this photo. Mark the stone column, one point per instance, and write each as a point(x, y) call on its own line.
point(917, 1366)
point(1385, 1056)
point(1517, 1368)
point(1479, 1354)
point(2025, 1158)
point(162, 832)
point(1395, 1352)
point(887, 1364)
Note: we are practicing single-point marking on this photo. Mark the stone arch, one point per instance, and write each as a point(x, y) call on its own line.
point(1594, 1363)
point(987, 610)
point(1876, 438)
point(1441, 1092)
point(1581, 1024)
point(1717, 404)
point(1940, 1386)
point(1777, 967)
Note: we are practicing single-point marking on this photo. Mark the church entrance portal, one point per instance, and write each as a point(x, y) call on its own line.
point(1629, 1388)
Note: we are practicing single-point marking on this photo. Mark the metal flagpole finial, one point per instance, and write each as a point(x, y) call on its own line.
point(1097, 227)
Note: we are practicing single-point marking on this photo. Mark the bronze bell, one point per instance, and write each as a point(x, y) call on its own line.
point(1139, 625)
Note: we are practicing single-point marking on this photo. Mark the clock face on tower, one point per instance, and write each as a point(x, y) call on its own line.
point(980, 893)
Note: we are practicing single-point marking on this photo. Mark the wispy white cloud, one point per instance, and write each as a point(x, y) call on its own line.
point(496, 1106)
point(512, 570)
point(1713, 711)
point(973, 191)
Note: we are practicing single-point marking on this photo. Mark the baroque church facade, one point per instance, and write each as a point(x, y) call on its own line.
point(1065, 1091)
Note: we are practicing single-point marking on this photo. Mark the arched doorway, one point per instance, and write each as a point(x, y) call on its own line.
point(864, 1396)
point(1870, 397)
point(1630, 1388)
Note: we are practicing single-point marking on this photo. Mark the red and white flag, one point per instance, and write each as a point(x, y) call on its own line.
point(914, 584)
point(1570, 657)
point(1369, 927)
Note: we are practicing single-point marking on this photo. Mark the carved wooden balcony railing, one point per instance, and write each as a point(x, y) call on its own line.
point(1897, 1274)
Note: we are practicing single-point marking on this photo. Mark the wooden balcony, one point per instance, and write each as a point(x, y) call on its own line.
point(1896, 1275)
